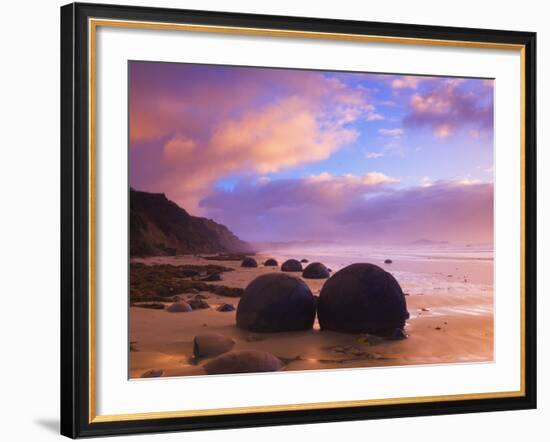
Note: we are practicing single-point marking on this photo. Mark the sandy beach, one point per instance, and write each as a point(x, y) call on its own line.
point(449, 298)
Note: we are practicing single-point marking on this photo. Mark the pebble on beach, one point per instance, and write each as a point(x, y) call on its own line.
point(226, 308)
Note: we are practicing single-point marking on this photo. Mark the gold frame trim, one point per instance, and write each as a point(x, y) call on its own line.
point(93, 24)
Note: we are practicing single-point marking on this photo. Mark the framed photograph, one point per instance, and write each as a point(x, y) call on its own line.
point(274, 220)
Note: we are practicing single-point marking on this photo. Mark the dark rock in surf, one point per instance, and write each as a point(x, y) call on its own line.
point(271, 263)
point(304, 260)
point(276, 302)
point(362, 298)
point(316, 270)
point(388, 261)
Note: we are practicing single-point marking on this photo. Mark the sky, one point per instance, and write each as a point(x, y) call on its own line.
point(289, 155)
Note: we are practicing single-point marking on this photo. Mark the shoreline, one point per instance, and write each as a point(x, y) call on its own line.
point(451, 322)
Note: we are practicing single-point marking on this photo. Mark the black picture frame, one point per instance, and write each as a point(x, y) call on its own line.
point(75, 220)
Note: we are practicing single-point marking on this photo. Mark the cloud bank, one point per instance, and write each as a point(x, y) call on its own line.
point(242, 121)
point(345, 208)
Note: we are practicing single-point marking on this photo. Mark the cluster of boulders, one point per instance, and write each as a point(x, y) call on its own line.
point(197, 302)
point(219, 347)
point(360, 298)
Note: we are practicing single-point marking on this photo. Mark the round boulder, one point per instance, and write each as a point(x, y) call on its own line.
point(304, 260)
point(178, 307)
point(291, 265)
point(250, 361)
point(316, 270)
point(276, 302)
point(388, 261)
point(362, 298)
point(249, 262)
point(271, 263)
point(208, 345)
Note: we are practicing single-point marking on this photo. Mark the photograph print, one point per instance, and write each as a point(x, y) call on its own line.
point(292, 220)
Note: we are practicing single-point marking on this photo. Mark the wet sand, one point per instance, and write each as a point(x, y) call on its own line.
point(450, 302)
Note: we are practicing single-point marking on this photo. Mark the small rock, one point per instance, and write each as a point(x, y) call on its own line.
point(212, 277)
point(438, 328)
point(398, 334)
point(208, 345)
point(152, 374)
point(198, 304)
point(187, 273)
point(179, 307)
point(200, 296)
point(248, 361)
point(249, 262)
point(226, 308)
point(271, 263)
point(152, 305)
point(388, 261)
point(424, 309)
point(304, 260)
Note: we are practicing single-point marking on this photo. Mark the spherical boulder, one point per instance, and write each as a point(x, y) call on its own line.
point(178, 307)
point(304, 260)
point(276, 302)
point(291, 265)
point(388, 261)
point(207, 345)
point(271, 263)
point(248, 361)
point(315, 270)
point(249, 262)
point(362, 298)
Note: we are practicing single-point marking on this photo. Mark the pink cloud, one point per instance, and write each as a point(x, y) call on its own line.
point(245, 122)
point(356, 209)
point(448, 107)
point(406, 82)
